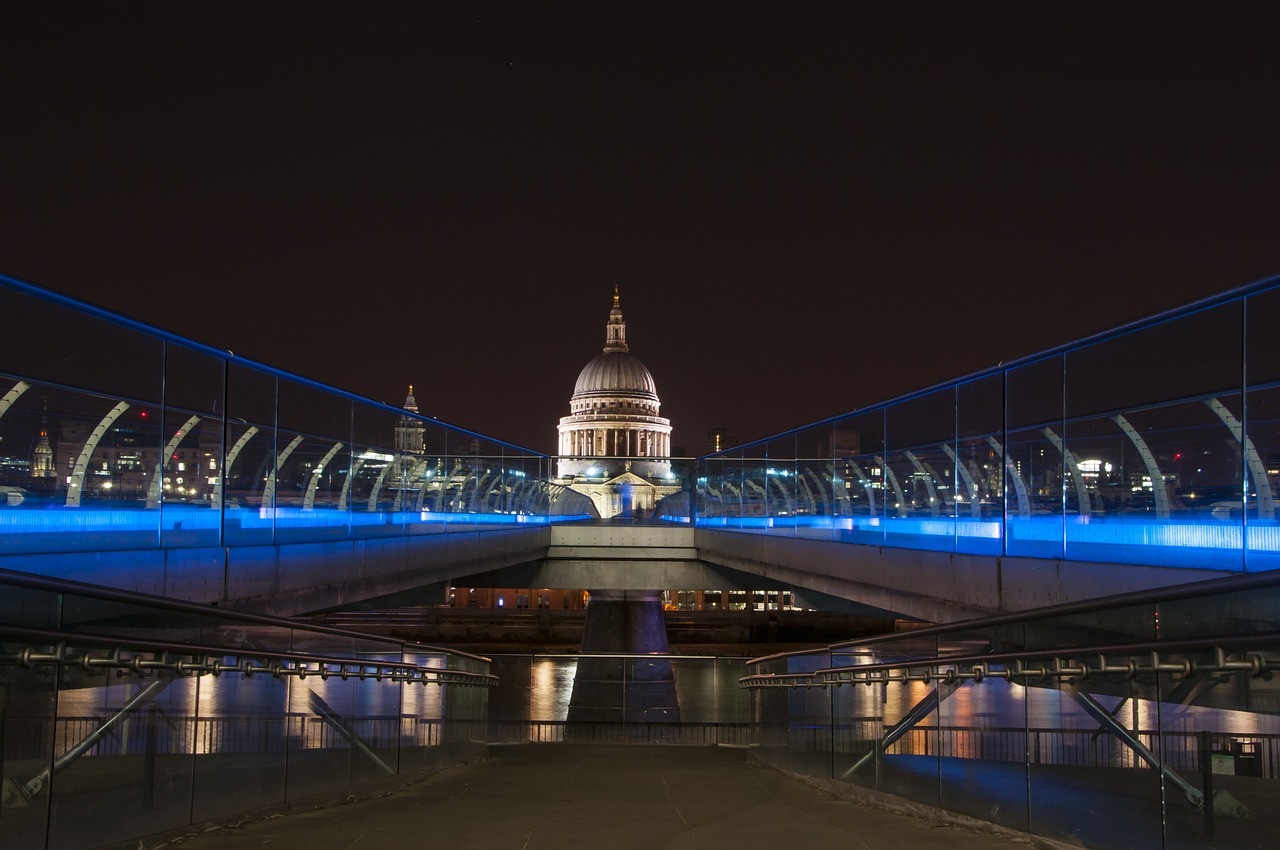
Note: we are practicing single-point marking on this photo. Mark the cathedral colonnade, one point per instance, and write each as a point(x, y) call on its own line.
point(616, 442)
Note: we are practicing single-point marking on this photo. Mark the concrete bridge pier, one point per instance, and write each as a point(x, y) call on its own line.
point(614, 689)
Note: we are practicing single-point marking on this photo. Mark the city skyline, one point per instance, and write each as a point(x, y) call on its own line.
point(805, 211)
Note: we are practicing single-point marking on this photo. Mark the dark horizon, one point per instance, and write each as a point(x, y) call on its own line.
point(807, 210)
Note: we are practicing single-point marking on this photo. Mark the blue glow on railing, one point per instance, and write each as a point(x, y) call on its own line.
point(99, 525)
point(1176, 543)
point(1127, 447)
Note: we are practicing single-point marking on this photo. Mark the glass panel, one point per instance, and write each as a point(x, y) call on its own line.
point(122, 620)
point(1153, 463)
point(76, 355)
point(920, 468)
point(305, 477)
point(37, 467)
point(320, 722)
point(1211, 614)
point(858, 443)
point(809, 720)
point(1157, 486)
point(1220, 738)
point(858, 725)
point(814, 487)
point(93, 459)
point(1193, 355)
point(770, 714)
point(193, 380)
point(779, 484)
point(375, 722)
point(711, 497)
point(983, 743)
point(754, 492)
point(1262, 423)
point(732, 490)
point(251, 396)
point(251, 456)
point(980, 466)
point(1078, 752)
point(123, 746)
point(1033, 460)
point(240, 744)
point(310, 451)
point(910, 765)
point(20, 606)
point(464, 724)
point(718, 499)
point(187, 480)
point(28, 727)
point(250, 465)
point(1105, 627)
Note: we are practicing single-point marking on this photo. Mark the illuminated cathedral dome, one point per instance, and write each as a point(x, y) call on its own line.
point(616, 372)
point(613, 414)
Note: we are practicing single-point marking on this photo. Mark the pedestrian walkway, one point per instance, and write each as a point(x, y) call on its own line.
point(558, 796)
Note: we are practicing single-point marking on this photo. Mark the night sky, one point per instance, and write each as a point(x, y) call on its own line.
point(807, 207)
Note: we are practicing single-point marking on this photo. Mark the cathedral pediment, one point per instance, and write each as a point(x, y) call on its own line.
point(628, 478)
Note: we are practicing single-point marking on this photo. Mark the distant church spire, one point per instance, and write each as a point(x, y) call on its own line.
point(409, 430)
point(42, 457)
point(616, 330)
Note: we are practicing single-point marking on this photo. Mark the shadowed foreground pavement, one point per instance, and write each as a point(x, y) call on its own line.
point(556, 796)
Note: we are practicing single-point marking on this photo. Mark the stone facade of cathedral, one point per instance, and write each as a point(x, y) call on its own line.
point(614, 446)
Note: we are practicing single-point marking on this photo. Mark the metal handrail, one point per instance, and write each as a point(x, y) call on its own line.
point(109, 594)
point(149, 657)
point(1065, 664)
point(1198, 589)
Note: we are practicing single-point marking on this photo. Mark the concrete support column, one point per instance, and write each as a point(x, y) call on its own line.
point(624, 689)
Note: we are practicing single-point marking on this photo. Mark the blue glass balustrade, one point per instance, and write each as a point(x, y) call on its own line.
point(1156, 443)
point(114, 435)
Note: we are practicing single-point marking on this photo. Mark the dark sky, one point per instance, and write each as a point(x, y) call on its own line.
point(808, 207)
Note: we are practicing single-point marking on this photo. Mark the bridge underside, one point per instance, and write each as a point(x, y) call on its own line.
point(293, 579)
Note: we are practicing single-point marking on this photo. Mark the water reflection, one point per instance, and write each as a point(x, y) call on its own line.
point(995, 703)
point(228, 713)
point(551, 688)
point(538, 688)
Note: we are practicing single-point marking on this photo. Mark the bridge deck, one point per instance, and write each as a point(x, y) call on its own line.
point(553, 796)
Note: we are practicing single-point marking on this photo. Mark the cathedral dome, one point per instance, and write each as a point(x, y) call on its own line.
point(616, 373)
point(614, 426)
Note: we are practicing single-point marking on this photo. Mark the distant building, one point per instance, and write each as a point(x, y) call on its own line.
point(719, 439)
point(42, 465)
point(614, 445)
point(545, 598)
point(410, 431)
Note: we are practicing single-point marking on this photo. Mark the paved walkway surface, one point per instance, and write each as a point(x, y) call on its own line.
point(558, 796)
